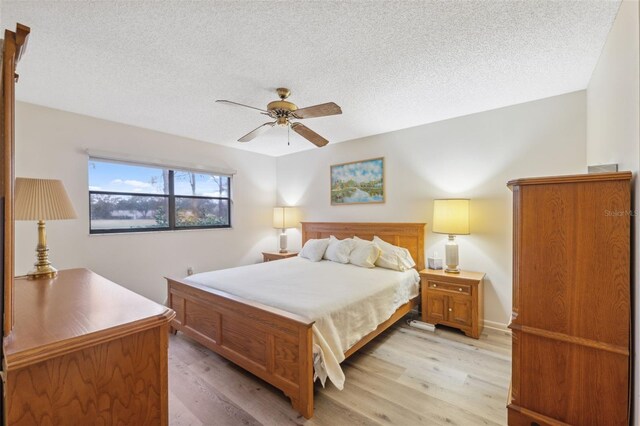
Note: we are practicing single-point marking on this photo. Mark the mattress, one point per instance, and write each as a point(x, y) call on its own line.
point(346, 302)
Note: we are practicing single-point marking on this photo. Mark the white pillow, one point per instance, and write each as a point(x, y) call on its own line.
point(364, 253)
point(314, 249)
point(389, 260)
point(393, 257)
point(338, 250)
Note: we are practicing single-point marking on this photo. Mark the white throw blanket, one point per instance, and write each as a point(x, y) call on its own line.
point(346, 302)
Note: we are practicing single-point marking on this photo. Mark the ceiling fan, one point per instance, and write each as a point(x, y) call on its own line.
point(284, 111)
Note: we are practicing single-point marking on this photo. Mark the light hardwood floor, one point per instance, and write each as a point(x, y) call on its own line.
point(404, 377)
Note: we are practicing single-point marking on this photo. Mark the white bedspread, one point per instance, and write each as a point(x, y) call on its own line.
point(346, 302)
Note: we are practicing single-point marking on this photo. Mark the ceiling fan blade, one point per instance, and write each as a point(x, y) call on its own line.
point(309, 134)
point(322, 110)
point(242, 105)
point(256, 132)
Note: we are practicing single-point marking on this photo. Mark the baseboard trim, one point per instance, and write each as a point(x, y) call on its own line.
point(497, 326)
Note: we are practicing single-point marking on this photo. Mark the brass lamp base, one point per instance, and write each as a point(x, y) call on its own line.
point(43, 268)
point(42, 272)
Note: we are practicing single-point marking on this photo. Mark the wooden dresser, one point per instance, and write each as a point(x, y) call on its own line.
point(84, 350)
point(571, 300)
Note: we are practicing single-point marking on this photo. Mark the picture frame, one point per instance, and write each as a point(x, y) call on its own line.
point(358, 182)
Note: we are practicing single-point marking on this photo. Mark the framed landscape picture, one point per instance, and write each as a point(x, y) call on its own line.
point(358, 182)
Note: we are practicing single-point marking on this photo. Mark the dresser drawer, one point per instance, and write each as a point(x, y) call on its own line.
point(454, 288)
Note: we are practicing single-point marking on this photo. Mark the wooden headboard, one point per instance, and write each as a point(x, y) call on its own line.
point(407, 235)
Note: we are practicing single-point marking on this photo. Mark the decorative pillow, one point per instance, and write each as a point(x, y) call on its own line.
point(364, 253)
point(314, 249)
point(338, 250)
point(389, 260)
point(393, 257)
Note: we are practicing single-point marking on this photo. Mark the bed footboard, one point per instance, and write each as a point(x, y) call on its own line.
point(273, 344)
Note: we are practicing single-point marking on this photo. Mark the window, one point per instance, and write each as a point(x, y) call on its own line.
point(133, 198)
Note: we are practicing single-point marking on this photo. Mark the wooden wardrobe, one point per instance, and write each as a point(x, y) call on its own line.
point(571, 300)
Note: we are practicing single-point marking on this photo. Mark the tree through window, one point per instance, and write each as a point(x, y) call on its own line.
point(129, 197)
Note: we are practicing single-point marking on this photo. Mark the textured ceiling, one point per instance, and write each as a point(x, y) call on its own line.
point(389, 65)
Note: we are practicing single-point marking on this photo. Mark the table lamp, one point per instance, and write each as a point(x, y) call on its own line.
point(451, 217)
point(42, 199)
point(283, 218)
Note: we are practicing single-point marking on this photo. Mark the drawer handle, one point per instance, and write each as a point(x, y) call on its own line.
point(460, 289)
point(450, 309)
point(435, 285)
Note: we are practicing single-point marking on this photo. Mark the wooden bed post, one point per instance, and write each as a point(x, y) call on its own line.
point(304, 402)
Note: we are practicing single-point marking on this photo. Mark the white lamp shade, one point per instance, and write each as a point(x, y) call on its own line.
point(42, 199)
point(451, 216)
point(285, 217)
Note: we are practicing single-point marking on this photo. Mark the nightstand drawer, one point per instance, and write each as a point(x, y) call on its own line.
point(455, 288)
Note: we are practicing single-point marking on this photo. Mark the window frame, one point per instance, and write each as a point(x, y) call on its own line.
point(171, 197)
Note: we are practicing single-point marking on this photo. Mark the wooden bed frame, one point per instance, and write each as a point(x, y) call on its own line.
point(273, 344)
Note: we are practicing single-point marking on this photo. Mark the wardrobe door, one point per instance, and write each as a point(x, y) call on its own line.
point(14, 47)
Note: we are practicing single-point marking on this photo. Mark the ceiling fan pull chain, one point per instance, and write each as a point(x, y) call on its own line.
point(288, 133)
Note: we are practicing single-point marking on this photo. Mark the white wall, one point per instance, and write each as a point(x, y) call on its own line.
point(471, 157)
point(613, 128)
point(51, 143)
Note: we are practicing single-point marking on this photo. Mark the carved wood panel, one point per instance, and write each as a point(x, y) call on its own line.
point(407, 235)
point(118, 382)
point(437, 307)
point(459, 310)
point(198, 316)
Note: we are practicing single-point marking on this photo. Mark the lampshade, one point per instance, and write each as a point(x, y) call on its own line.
point(42, 199)
point(451, 216)
point(285, 217)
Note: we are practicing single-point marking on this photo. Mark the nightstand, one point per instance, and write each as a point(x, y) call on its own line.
point(455, 300)
point(268, 256)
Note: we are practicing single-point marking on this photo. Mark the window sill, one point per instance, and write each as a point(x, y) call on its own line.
point(169, 232)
